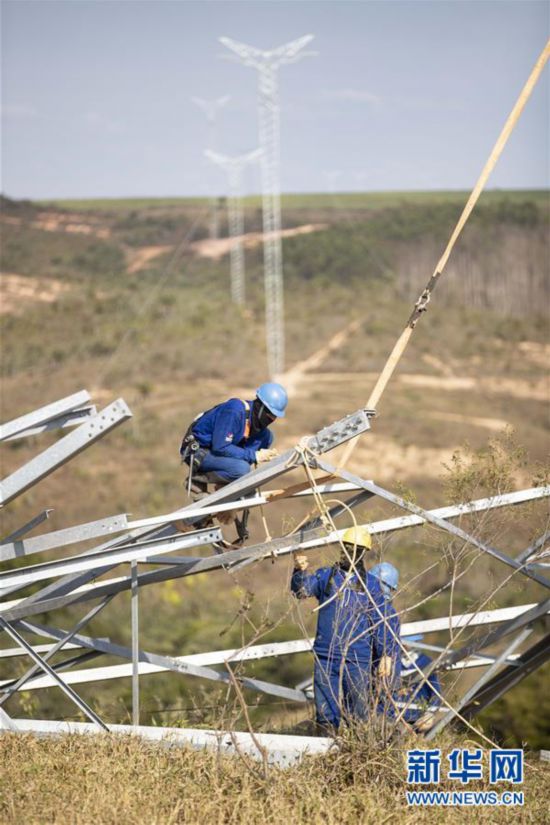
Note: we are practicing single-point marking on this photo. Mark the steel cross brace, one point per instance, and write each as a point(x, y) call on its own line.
point(167, 662)
point(26, 528)
point(477, 659)
point(43, 415)
point(13, 548)
point(57, 647)
point(296, 646)
point(511, 626)
point(63, 450)
point(438, 522)
point(527, 663)
point(500, 660)
point(67, 689)
point(21, 577)
point(61, 593)
point(533, 548)
point(494, 636)
point(72, 581)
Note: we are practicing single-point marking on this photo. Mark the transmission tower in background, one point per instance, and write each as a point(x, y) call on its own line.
point(267, 63)
point(234, 167)
point(210, 109)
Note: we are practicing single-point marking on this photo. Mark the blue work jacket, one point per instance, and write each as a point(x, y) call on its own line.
point(426, 698)
point(387, 636)
point(348, 626)
point(223, 431)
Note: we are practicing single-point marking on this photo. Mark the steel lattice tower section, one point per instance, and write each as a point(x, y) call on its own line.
point(234, 167)
point(267, 63)
point(210, 108)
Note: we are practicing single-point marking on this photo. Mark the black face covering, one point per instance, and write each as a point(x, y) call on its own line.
point(345, 565)
point(261, 417)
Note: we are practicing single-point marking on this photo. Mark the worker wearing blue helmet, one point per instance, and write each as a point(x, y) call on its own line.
point(225, 441)
point(386, 660)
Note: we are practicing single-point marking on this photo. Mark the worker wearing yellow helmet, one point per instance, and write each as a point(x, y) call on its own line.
point(356, 542)
point(351, 604)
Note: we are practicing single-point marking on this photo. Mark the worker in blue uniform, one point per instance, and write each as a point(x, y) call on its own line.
point(386, 661)
point(225, 441)
point(425, 701)
point(351, 604)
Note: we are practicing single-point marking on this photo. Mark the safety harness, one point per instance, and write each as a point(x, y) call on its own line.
point(191, 451)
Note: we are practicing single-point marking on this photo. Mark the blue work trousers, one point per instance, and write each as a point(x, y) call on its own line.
point(341, 689)
point(227, 468)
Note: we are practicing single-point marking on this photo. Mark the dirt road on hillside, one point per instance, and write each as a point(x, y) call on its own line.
point(216, 248)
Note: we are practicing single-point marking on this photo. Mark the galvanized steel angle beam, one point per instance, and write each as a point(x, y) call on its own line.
point(25, 528)
point(90, 561)
point(72, 582)
point(296, 646)
point(485, 677)
point(529, 661)
point(438, 522)
point(167, 662)
point(70, 419)
point(14, 652)
point(13, 688)
point(43, 414)
point(55, 596)
point(248, 503)
point(80, 703)
point(61, 538)
point(281, 749)
point(483, 641)
point(63, 450)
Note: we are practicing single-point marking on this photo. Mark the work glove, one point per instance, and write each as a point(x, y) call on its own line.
point(385, 667)
point(425, 722)
point(300, 562)
point(265, 455)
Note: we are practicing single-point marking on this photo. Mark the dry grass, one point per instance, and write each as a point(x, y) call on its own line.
point(107, 779)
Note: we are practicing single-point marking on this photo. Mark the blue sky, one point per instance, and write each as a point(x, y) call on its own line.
point(96, 96)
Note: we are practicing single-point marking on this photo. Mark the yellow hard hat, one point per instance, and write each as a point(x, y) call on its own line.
point(358, 536)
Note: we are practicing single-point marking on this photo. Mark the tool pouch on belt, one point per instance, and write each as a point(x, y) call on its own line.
point(191, 451)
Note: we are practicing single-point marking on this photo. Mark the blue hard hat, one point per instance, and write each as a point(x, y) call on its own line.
point(274, 397)
point(387, 575)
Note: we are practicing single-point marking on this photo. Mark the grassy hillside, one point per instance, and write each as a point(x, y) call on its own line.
point(166, 337)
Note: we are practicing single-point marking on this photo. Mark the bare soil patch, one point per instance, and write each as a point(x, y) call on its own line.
point(18, 290)
point(58, 222)
point(139, 258)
